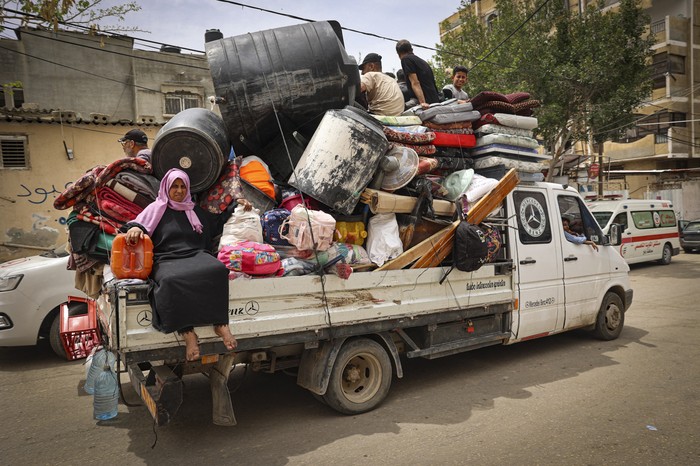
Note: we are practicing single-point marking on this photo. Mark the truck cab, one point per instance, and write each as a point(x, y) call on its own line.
point(560, 283)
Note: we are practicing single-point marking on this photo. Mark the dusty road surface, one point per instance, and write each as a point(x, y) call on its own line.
point(567, 399)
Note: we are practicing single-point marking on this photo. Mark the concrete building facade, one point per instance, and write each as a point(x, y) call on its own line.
point(67, 97)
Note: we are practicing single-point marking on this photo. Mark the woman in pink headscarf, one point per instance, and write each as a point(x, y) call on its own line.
point(191, 285)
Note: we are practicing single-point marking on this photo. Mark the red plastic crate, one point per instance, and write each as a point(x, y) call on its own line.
point(79, 333)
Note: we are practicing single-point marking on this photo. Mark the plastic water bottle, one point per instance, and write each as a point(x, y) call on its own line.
point(94, 367)
point(106, 399)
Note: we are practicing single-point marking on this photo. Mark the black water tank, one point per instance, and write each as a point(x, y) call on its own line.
point(195, 141)
point(300, 71)
point(212, 34)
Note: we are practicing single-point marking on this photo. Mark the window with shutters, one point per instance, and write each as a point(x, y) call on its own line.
point(13, 150)
point(176, 102)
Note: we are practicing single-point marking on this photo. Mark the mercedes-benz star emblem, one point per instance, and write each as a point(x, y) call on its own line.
point(252, 308)
point(144, 318)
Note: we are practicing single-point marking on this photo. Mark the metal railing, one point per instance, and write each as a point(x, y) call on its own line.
point(658, 26)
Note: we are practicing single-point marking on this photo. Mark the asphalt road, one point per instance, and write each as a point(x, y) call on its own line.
point(566, 399)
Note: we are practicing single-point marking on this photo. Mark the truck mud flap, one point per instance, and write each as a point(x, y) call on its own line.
point(161, 390)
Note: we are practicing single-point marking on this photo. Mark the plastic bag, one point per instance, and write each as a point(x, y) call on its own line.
point(383, 241)
point(242, 226)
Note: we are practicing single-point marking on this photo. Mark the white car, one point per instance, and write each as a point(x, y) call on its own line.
point(32, 290)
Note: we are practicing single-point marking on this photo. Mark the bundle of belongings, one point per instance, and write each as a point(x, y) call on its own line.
point(366, 189)
point(434, 165)
point(101, 201)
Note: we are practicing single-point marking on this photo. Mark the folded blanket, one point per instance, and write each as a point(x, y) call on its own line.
point(508, 163)
point(430, 113)
point(128, 193)
point(141, 183)
point(500, 129)
point(516, 121)
point(446, 126)
point(454, 117)
point(513, 121)
point(108, 225)
point(79, 190)
point(518, 141)
point(425, 149)
point(454, 140)
point(408, 138)
point(135, 164)
point(116, 205)
point(402, 120)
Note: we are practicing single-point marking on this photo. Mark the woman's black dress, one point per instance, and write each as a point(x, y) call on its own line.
point(191, 285)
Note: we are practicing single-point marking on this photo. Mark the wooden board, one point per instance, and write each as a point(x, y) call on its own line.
point(416, 251)
point(476, 215)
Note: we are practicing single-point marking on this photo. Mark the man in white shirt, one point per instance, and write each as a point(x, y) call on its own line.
point(384, 96)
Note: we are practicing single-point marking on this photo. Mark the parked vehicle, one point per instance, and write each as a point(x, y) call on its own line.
point(690, 237)
point(345, 337)
point(649, 228)
point(31, 292)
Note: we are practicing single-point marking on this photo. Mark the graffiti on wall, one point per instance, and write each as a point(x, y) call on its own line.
point(40, 194)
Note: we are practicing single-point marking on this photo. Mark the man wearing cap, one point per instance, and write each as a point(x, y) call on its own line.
point(419, 75)
point(135, 144)
point(384, 95)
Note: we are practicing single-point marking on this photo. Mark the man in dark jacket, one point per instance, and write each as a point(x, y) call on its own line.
point(419, 75)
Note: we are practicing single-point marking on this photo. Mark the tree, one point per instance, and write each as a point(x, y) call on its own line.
point(81, 14)
point(589, 70)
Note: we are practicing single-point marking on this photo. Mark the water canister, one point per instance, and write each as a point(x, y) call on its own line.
point(194, 141)
point(341, 158)
point(105, 402)
point(298, 71)
point(95, 365)
point(131, 260)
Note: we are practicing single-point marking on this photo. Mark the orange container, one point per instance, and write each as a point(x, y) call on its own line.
point(131, 260)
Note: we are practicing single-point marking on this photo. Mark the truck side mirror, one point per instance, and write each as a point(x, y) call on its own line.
point(614, 233)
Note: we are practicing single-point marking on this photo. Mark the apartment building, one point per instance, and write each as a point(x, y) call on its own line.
point(660, 156)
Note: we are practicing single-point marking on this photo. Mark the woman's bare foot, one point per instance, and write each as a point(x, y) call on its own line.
point(191, 345)
point(225, 333)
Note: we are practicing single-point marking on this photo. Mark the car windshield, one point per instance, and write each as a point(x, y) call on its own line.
point(602, 217)
point(692, 227)
point(60, 251)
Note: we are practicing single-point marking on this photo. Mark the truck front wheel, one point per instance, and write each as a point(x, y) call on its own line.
point(611, 317)
point(360, 378)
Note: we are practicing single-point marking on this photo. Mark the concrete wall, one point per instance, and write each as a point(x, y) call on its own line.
point(27, 215)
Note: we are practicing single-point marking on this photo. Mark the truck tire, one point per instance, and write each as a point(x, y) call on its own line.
point(611, 317)
point(360, 378)
point(666, 255)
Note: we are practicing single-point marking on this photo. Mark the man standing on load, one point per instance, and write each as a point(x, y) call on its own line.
point(384, 96)
point(419, 75)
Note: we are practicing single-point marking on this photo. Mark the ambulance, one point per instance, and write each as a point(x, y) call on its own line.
point(649, 228)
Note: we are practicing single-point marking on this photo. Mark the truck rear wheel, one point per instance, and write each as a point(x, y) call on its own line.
point(360, 378)
point(611, 317)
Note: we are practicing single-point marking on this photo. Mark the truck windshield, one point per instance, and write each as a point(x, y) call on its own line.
point(602, 217)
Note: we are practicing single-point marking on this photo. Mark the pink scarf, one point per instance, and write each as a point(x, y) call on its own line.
point(153, 213)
